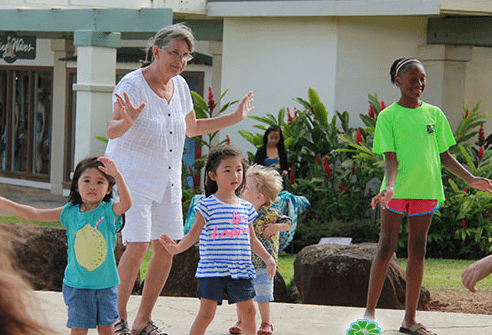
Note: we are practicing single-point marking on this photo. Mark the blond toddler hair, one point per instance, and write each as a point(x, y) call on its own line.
point(268, 182)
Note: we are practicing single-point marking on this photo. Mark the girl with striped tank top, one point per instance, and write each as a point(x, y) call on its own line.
point(224, 228)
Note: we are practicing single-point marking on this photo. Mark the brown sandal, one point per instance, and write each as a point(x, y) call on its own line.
point(147, 329)
point(121, 328)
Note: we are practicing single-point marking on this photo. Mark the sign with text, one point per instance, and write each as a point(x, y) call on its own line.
point(13, 47)
point(335, 240)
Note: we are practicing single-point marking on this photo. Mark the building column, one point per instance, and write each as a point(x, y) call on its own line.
point(61, 48)
point(96, 76)
point(446, 78)
point(215, 49)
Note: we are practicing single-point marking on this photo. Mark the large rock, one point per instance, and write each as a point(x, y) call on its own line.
point(181, 281)
point(40, 255)
point(339, 276)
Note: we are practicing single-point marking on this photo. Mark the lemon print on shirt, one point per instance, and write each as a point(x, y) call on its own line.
point(90, 247)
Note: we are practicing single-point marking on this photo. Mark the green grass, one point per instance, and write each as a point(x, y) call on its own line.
point(286, 268)
point(13, 219)
point(445, 274)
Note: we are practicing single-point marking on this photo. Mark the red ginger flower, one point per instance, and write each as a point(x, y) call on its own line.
point(198, 154)
point(296, 114)
point(481, 136)
point(195, 180)
point(318, 160)
point(480, 153)
point(359, 136)
point(463, 223)
point(211, 101)
point(327, 167)
point(487, 213)
point(289, 117)
point(249, 160)
point(382, 106)
point(291, 175)
point(228, 140)
point(371, 113)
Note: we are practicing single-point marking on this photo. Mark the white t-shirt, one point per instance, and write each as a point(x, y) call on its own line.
point(149, 154)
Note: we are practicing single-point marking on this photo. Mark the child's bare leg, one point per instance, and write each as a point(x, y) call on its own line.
point(205, 316)
point(264, 308)
point(418, 227)
point(247, 313)
point(78, 331)
point(390, 227)
point(105, 330)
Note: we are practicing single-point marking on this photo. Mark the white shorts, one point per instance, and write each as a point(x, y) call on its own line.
point(146, 220)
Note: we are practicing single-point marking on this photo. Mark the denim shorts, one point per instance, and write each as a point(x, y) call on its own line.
point(263, 286)
point(89, 308)
point(237, 290)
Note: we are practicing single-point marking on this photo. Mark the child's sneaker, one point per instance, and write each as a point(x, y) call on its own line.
point(265, 329)
point(236, 329)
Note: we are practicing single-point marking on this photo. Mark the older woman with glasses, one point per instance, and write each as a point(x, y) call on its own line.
point(152, 113)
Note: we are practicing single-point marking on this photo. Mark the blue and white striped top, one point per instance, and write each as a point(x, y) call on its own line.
point(225, 248)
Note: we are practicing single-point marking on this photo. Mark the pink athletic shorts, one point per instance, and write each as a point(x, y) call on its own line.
point(413, 206)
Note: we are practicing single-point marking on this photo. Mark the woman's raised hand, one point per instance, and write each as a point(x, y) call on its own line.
point(125, 108)
point(245, 106)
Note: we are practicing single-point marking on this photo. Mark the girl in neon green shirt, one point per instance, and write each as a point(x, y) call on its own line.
point(414, 138)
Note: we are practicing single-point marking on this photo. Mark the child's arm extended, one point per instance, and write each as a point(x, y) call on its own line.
point(29, 212)
point(390, 170)
point(272, 228)
point(458, 170)
point(260, 250)
point(476, 272)
point(124, 194)
point(188, 240)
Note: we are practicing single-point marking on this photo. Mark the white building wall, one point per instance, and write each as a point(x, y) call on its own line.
point(278, 59)
point(479, 82)
point(367, 46)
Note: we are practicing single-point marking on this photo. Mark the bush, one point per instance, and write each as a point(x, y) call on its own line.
point(334, 167)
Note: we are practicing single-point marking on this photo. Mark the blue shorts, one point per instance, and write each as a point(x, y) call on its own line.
point(89, 308)
point(237, 290)
point(263, 286)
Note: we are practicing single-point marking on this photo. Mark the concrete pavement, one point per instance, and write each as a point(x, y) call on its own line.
point(175, 316)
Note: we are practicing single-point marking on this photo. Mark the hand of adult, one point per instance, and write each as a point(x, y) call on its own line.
point(125, 108)
point(245, 106)
point(476, 272)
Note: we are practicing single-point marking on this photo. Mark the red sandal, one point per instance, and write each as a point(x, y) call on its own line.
point(265, 329)
point(236, 329)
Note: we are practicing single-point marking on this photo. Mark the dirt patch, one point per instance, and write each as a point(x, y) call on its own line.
point(462, 302)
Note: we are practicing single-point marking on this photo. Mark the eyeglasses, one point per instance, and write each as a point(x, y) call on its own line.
point(176, 54)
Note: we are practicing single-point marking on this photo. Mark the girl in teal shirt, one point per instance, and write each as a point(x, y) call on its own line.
point(92, 220)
